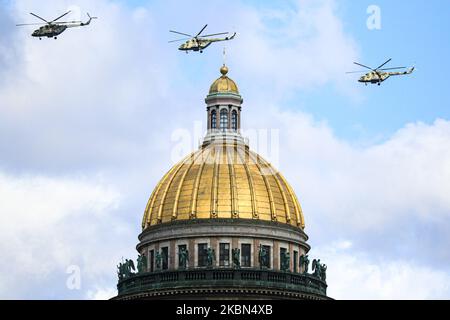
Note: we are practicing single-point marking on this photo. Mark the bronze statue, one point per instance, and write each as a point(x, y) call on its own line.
point(120, 272)
point(125, 270)
point(142, 263)
point(285, 261)
point(183, 257)
point(263, 263)
point(320, 270)
point(129, 266)
point(324, 273)
point(211, 255)
point(304, 263)
point(158, 260)
point(316, 268)
point(237, 258)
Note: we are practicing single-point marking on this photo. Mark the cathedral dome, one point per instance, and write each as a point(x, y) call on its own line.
point(223, 222)
point(224, 84)
point(225, 181)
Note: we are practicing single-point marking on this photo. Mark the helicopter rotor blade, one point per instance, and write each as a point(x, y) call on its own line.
point(30, 24)
point(201, 31)
point(179, 40)
point(68, 22)
point(359, 64)
point(183, 34)
point(355, 72)
point(215, 34)
point(383, 64)
point(35, 15)
point(393, 68)
point(65, 14)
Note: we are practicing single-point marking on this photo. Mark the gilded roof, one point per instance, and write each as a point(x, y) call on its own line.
point(224, 84)
point(223, 181)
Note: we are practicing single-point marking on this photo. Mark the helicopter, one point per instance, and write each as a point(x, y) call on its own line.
point(378, 75)
point(52, 29)
point(199, 43)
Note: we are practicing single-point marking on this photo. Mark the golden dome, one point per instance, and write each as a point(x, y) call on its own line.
point(223, 181)
point(224, 84)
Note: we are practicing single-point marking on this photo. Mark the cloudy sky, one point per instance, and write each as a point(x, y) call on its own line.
point(89, 124)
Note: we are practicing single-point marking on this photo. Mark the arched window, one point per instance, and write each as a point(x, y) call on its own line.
point(213, 119)
point(234, 124)
point(223, 120)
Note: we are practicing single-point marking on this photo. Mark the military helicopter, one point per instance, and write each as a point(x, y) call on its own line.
point(378, 75)
point(53, 28)
point(199, 43)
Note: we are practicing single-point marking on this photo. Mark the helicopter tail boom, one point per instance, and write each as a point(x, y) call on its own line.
point(409, 71)
point(81, 24)
point(222, 39)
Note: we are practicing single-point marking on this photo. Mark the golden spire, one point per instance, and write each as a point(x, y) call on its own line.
point(224, 69)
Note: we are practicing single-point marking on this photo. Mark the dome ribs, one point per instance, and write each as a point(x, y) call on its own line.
point(283, 194)
point(215, 182)
point(193, 214)
point(149, 209)
point(224, 179)
point(233, 187)
point(273, 210)
point(172, 177)
point(298, 209)
point(251, 184)
point(233, 191)
point(180, 185)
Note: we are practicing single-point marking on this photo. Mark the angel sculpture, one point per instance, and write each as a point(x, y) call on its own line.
point(304, 263)
point(237, 258)
point(142, 263)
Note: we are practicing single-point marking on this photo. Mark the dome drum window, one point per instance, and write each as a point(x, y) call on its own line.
point(213, 119)
point(223, 120)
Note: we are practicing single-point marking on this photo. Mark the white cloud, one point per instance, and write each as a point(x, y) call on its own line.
point(390, 200)
point(354, 275)
point(34, 203)
point(366, 187)
point(48, 224)
point(101, 293)
point(73, 102)
point(294, 48)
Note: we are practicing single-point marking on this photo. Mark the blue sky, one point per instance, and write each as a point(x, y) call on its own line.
point(410, 36)
point(87, 127)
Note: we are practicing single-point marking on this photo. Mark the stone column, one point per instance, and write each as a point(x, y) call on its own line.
point(172, 253)
point(191, 249)
point(256, 254)
point(209, 111)
point(276, 256)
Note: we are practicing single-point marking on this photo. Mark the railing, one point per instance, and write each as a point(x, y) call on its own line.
point(231, 278)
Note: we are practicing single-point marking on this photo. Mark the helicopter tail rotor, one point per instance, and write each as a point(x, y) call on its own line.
point(91, 18)
point(89, 21)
